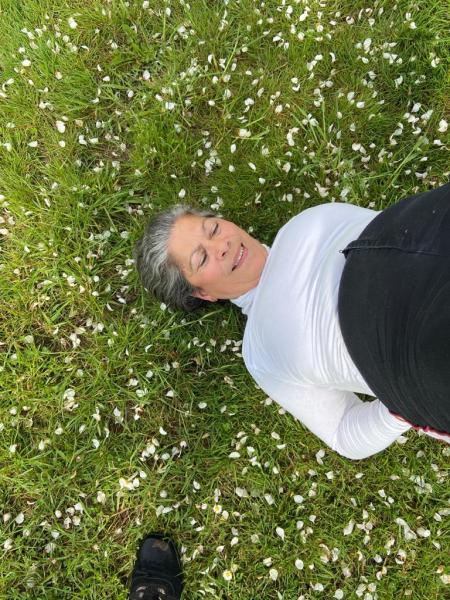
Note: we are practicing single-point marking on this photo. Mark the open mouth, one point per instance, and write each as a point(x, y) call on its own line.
point(240, 257)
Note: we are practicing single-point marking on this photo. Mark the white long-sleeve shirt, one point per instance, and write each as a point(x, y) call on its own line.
point(293, 346)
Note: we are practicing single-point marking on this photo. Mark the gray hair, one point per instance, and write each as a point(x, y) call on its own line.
point(158, 272)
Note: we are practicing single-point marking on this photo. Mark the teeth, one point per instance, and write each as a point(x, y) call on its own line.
point(239, 257)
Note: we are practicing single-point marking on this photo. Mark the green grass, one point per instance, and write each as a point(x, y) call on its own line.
point(70, 214)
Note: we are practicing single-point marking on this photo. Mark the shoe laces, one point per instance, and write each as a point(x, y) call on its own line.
point(152, 591)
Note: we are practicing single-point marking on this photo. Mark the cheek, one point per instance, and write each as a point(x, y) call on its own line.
point(207, 277)
point(212, 275)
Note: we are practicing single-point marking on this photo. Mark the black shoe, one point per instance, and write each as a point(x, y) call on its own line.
point(157, 573)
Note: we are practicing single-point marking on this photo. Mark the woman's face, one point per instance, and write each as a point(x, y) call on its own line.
point(216, 256)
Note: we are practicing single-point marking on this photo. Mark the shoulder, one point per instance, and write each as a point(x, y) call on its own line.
point(329, 210)
point(324, 217)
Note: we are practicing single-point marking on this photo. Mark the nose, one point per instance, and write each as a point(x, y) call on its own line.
point(220, 247)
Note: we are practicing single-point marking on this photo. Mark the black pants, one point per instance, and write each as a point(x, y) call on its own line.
point(394, 307)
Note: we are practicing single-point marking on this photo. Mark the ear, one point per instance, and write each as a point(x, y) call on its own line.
point(200, 294)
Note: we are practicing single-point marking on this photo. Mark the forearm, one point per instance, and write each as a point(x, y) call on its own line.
point(353, 428)
point(365, 429)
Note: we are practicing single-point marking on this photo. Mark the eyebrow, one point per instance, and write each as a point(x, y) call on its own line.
point(199, 246)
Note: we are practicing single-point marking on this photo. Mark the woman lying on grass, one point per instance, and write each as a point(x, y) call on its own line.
point(347, 300)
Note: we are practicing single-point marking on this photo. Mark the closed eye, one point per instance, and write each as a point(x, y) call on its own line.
point(213, 232)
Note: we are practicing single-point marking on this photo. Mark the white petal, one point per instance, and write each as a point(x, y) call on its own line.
point(349, 527)
point(443, 126)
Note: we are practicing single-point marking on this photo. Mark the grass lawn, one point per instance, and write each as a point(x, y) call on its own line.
point(119, 416)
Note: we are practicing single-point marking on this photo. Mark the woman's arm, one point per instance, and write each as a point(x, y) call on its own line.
point(367, 428)
point(353, 428)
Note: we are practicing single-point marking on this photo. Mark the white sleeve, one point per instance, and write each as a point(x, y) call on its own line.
point(367, 428)
point(353, 428)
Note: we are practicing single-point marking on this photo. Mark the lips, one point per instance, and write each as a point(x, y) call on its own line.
point(240, 256)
